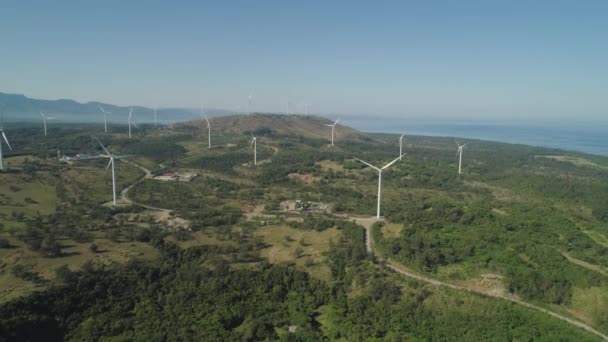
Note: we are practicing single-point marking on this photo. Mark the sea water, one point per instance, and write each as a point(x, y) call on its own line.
point(588, 137)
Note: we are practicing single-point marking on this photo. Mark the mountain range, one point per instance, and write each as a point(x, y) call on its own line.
point(19, 107)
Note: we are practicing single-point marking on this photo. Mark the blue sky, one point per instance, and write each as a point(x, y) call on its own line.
point(411, 59)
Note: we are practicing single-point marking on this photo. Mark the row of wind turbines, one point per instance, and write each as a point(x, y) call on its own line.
point(112, 158)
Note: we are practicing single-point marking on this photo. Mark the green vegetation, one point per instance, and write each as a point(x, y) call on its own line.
point(225, 257)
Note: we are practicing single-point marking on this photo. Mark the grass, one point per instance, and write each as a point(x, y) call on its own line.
point(75, 255)
point(284, 241)
point(392, 230)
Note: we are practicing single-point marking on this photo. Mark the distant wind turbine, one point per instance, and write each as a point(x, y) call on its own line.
point(111, 163)
point(208, 130)
point(249, 100)
point(254, 144)
point(130, 121)
point(459, 155)
point(333, 126)
point(401, 146)
point(44, 118)
point(379, 178)
point(105, 118)
point(3, 138)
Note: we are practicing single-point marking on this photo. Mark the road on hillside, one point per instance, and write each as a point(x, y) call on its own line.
point(395, 266)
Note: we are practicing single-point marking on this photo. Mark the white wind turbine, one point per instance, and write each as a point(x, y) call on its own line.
point(249, 100)
point(208, 131)
point(130, 121)
point(105, 118)
point(333, 126)
point(379, 178)
point(111, 163)
point(254, 144)
point(3, 138)
point(44, 118)
point(459, 155)
point(401, 146)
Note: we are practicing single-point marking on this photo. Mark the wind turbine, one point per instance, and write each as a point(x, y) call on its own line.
point(111, 163)
point(208, 130)
point(130, 121)
point(105, 118)
point(44, 118)
point(459, 155)
point(249, 99)
point(379, 178)
point(254, 144)
point(3, 138)
point(333, 126)
point(401, 146)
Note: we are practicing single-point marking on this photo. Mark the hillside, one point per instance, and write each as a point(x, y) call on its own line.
point(293, 241)
point(307, 126)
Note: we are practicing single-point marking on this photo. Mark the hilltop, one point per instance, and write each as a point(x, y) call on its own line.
point(309, 126)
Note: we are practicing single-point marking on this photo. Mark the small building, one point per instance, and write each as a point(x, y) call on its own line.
point(176, 177)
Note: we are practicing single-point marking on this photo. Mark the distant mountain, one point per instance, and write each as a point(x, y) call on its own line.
point(21, 108)
point(309, 126)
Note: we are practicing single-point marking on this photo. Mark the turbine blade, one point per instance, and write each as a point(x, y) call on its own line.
point(103, 147)
point(368, 164)
point(42, 114)
point(124, 157)
point(5, 139)
point(393, 162)
point(207, 119)
point(109, 163)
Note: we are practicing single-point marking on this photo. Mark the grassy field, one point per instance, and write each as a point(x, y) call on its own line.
point(74, 255)
point(303, 248)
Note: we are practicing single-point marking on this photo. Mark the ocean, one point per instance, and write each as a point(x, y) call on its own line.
point(588, 137)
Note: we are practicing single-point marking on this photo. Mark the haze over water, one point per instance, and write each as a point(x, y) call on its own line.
point(588, 137)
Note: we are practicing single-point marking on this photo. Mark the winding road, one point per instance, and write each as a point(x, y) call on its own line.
point(395, 266)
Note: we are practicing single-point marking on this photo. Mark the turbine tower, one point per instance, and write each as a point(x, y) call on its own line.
point(379, 178)
point(44, 118)
point(130, 121)
point(3, 138)
point(459, 155)
point(333, 126)
point(208, 131)
point(111, 163)
point(105, 118)
point(249, 99)
point(401, 146)
point(254, 144)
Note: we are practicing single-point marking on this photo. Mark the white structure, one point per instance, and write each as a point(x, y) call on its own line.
point(333, 126)
point(208, 131)
point(459, 155)
point(249, 99)
point(401, 146)
point(1, 141)
point(379, 178)
point(105, 118)
point(112, 158)
point(130, 122)
point(254, 144)
point(44, 118)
